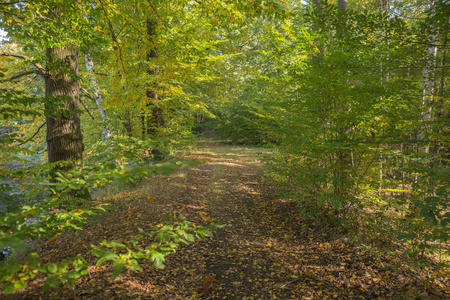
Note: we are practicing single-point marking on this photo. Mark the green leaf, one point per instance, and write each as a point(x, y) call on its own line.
point(190, 237)
point(52, 268)
point(107, 256)
point(128, 154)
point(9, 288)
point(117, 270)
point(14, 268)
point(33, 256)
point(114, 244)
point(158, 259)
point(184, 242)
point(166, 249)
point(71, 281)
point(134, 265)
point(19, 284)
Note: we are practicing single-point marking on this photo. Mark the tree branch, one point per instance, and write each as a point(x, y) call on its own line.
point(82, 103)
point(24, 57)
point(23, 74)
point(40, 127)
point(86, 94)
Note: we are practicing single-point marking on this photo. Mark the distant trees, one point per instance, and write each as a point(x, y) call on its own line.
point(355, 98)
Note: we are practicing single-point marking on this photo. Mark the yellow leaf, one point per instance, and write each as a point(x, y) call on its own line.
point(78, 211)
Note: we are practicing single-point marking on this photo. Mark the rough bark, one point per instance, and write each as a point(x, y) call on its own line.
point(64, 137)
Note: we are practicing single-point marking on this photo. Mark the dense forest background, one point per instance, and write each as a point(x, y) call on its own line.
point(353, 98)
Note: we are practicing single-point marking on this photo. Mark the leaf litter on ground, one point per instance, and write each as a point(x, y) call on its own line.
point(267, 251)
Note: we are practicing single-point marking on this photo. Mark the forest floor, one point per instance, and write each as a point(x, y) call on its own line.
point(267, 252)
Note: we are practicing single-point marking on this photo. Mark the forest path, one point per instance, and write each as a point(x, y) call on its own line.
point(266, 252)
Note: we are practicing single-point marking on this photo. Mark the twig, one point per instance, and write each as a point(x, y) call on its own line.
point(87, 109)
point(40, 127)
point(287, 283)
point(86, 93)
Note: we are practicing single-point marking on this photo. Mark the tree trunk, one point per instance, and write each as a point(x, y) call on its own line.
point(342, 4)
point(126, 122)
point(98, 96)
point(318, 4)
point(154, 121)
point(64, 137)
point(428, 82)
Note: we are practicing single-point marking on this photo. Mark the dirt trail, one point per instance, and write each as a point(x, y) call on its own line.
point(266, 252)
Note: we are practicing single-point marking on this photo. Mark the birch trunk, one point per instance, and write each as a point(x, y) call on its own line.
point(98, 96)
point(428, 80)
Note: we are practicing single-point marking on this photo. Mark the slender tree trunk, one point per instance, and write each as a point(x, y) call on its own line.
point(428, 81)
point(127, 123)
point(64, 137)
point(154, 121)
point(342, 4)
point(444, 112)
point(98, 96)
point(318, 5)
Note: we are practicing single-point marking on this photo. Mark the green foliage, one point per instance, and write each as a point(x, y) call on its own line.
point(166, 236)
point(240, 124)
point(350, 123)
point(345, 96)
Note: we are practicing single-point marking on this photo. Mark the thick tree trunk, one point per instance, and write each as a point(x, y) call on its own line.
point(64, 137)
